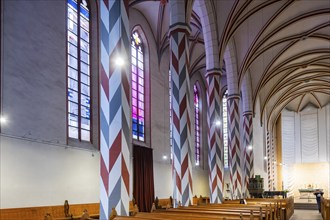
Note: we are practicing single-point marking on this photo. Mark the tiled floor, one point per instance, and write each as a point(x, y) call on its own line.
point(306, 215)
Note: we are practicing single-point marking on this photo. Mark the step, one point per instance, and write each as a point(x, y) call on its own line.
point(306, 206)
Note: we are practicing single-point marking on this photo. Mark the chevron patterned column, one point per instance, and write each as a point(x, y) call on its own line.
point(234, 146)
point(274, 162)
point(215, 154)
point(268, 160)
point(115, 108)
point(179, 63)
point(248, 152)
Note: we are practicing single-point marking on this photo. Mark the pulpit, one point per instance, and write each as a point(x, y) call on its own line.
point(256, 186)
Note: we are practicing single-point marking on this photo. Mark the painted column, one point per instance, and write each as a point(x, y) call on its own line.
point(248, 149)
point(215, 154)
point(234, 146)
point(115, 108)
point(274, 163)
point(268, 145)
point(179, 62)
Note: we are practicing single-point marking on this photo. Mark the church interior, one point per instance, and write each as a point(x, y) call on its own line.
point(182, 108)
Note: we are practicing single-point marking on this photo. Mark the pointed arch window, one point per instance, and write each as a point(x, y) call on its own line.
point(138, 91)
point(78, 86)
point(197, 125)
point(225, 128)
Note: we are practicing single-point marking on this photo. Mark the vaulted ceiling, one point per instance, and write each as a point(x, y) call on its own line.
point(283, 45)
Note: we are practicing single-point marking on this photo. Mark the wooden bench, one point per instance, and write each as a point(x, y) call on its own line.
point(202, 200)
point(255, 209)
point(325, 208)
point(163, 203)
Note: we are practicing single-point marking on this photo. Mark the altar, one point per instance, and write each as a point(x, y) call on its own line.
point(307, 194)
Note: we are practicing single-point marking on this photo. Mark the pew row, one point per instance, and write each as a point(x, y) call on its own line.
point(325, 208)
point(255, 209)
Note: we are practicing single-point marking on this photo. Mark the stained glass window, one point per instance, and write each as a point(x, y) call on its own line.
point(197, 125)
point(225, 128)
point(138, 93)
point(78, 87)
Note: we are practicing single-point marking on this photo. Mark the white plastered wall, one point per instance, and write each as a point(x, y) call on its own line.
point(38, 174)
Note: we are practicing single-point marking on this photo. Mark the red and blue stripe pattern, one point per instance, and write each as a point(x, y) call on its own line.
point(248, 153)
point(115, 108)
point(268, 160)
point(234, 146)
point(181, 115)
point(215, 158)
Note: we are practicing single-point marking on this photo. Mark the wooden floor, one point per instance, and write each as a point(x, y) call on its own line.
point(306, 215)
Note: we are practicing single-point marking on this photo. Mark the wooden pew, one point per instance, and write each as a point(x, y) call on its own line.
point(325, 208)
point(285, 206)
point(256, 209)
point(183, 216)
point(163, 203)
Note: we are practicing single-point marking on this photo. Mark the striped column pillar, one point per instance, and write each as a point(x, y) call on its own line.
point(215, 153)
point(268, 160)
point(179, 62)
point(274, 162)
point(234, 146)
point(115, 108)
point(248, 153)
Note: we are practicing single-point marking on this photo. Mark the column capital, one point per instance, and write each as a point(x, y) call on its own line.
point(179, 27)
point(213, 72)
point(247, 113)
point(233, 96)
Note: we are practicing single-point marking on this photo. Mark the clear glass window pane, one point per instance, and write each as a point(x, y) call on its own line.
point(85, 100)
point(140, 57)
point(85, 135)
point(84, 68)
point(72, 95)
point(85, 123)
point(84, 56)
point(73, 62)
point(73, 84)
point(84, 35)
point(72, 26)
point(72, 50)
point(84, 23)
point(72, 38)
point(72, 14)
point(73, 73)
point(84, 46)
point(85, 79)
point(85, 112)
point(140, 65)
point(73, 120)
point(73, 132)
point(85, 89)
point(73, 108)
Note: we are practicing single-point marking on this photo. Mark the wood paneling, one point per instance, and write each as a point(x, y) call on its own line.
point(38, 213)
